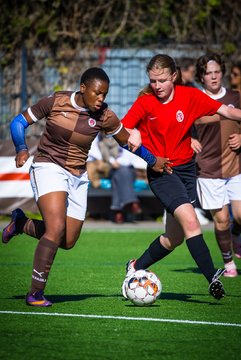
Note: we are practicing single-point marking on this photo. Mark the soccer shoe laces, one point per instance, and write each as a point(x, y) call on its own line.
point(218, 274)
point(216, 287)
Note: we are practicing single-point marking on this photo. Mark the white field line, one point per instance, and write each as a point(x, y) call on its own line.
point(127, 318)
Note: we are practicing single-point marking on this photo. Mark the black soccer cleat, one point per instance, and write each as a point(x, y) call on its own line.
point(216, 287)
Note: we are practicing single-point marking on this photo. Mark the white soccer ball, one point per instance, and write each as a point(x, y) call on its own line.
point(143, 287)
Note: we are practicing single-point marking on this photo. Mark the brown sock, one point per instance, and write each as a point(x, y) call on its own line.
point(20, 223)
point(43, 260)
point(223, 238)
point(34, 228)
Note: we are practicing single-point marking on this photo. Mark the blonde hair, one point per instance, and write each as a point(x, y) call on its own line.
point(159, 62)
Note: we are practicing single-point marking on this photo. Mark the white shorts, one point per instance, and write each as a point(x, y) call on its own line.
point(215, 193)
point(49, 177)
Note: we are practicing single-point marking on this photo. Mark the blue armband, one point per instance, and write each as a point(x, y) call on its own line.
point(144, 154)
point(17, 128)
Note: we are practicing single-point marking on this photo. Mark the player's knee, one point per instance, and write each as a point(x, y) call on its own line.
point(56, 232)
point(67, 245)
point(191, 224)
point(222, 223)
point(171, 242)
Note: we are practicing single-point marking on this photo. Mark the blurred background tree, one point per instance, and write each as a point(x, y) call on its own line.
point(63, 28)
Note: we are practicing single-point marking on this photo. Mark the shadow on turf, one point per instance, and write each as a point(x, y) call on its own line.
point(181, 297)
point(164, 296)
point(188, 270)
point(194, 271)
point(187, 298)
point(67, 298)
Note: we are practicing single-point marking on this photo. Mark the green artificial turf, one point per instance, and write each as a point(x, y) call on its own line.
point(87, 280)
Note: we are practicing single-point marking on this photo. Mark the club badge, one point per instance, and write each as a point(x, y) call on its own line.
point(92, 122)
point(179, 116)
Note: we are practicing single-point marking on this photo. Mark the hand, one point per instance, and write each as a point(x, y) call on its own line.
point(234, 141)
point(162, 164)
point(115, 165)
point(134, 141)
point(21, 158)
point(196, 145)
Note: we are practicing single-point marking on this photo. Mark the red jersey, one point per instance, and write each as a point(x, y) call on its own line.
point(166, 128)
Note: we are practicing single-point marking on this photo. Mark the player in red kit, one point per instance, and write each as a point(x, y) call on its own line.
point(164, 114)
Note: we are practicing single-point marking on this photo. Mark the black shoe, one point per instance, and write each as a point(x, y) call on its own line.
point(216, 287)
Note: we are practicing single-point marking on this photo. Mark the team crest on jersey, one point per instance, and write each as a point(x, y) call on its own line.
point(92, 122)
point(179, 116)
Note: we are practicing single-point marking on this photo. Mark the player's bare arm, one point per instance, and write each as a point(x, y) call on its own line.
point(208, 119)
point(230, 112)
point(134, 140)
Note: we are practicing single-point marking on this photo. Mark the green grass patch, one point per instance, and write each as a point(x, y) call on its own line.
point(87, 280)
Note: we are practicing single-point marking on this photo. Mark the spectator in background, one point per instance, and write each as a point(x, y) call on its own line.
point(97, 168)
point(235, 76)
point(125, 204)
point(219, 158)
point(187, 67)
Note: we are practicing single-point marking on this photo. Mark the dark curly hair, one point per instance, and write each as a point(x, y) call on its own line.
point(94, 73)
point(201, 64)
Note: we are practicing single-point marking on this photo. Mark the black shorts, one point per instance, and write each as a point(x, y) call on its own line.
point(174, 189)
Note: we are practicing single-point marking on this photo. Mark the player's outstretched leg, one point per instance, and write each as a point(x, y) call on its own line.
point(154, 253)
point(14, 227)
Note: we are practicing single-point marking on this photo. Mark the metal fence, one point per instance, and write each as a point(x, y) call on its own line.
point(28, 79)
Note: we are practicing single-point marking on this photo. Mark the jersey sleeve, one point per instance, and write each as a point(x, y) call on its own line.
point(111, 123)
point(42, 108)
point(135, 114)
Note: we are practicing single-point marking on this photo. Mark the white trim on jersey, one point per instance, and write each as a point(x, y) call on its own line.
point(32, 115)
point(221, 94)
point(116, 132)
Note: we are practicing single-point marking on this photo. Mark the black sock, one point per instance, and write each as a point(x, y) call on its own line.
point(154, 253)
point(200, 253)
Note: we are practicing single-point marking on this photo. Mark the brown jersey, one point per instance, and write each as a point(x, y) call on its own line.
point(217, 160)
point(69, 130)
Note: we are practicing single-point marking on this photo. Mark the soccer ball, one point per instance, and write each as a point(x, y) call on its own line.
point(143, 287)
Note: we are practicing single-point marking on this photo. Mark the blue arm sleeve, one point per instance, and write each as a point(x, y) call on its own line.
point(144, 154)
point(17, 128)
